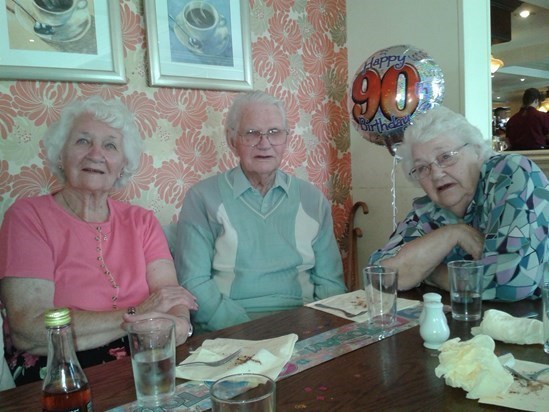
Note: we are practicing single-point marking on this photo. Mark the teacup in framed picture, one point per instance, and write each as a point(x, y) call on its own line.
point(61, 40)
point(199, 44)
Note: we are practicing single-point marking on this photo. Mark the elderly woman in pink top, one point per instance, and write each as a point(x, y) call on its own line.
point(106, 260)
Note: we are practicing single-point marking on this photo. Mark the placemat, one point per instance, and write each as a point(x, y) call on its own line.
point(310, 352)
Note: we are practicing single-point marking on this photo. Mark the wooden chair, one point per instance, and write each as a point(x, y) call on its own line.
point(352, 279)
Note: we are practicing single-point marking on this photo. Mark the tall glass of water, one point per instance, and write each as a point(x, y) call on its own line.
point(545, 293)
point(152, 345)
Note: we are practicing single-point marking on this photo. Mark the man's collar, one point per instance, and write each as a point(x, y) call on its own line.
point(241, 182)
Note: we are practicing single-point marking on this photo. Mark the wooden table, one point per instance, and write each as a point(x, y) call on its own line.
point(396, 373)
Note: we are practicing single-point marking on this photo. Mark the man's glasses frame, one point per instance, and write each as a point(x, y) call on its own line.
point(274, 136)
point(443, 160)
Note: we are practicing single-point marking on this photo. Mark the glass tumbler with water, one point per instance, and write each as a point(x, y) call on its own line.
point(152, 345)
point(545, 293)
point(465, 277)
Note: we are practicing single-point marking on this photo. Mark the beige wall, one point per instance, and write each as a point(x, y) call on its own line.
point(441, 28)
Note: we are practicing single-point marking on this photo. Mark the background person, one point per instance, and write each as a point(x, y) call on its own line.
point(478, 205)
point(78, 248)
point(255, 240)
point(529, 128)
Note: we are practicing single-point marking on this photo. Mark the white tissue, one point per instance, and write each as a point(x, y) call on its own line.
point(506, 328)
point(473, 366)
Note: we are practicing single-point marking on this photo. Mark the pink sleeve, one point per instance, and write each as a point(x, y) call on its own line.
point(24, 247)
point(155, 245)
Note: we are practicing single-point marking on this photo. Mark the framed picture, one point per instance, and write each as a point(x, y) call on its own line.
point(202, 44)
point(61, 40)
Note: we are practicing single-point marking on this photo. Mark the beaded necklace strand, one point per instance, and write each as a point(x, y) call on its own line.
point(100, 237)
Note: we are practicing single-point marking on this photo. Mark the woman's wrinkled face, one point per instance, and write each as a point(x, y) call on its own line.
point(93, 156)
point(262, 159)
point(452, 187)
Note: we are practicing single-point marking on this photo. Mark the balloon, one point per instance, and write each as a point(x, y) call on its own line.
point(389, 89)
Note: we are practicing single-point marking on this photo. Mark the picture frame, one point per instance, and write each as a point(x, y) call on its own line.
point(215, 56)
point(86, 46)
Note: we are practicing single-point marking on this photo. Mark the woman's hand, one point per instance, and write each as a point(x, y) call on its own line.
point(421, 257)
point(182, 323)
point(165, 298)
point(469, 239)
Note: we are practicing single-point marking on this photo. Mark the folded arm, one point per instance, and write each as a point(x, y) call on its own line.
point(26, 301)
point(166, 299)
point(422, 258)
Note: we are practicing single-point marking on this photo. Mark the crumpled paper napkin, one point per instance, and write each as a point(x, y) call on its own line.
point(355, 302)
point(266, 357)
point(506, 328)
point(473, 366)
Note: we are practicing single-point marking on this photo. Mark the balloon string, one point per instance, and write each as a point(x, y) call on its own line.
point(393, 191)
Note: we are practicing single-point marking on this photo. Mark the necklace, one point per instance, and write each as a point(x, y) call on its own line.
point(100, 237)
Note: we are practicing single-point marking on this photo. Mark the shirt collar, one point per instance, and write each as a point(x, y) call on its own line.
point(242, 184)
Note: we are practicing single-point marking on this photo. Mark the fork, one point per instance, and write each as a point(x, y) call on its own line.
point(214, 363)
point(348, 314)
point(521, 376)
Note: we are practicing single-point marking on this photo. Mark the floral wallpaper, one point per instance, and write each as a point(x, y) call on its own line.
point(299, 55)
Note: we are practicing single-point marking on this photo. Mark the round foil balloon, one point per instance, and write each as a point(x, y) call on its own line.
point(389, 89)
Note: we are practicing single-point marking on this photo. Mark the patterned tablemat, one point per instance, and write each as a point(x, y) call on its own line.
point(310, 352)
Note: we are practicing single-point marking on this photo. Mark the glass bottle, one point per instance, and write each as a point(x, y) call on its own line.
point(65, 387)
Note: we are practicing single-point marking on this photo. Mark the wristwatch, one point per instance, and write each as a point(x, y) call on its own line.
point(131, 310)
point(191, 330)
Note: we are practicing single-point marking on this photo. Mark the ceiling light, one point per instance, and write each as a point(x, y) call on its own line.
point(522, 80)
point(495, 64)
point(524, 13)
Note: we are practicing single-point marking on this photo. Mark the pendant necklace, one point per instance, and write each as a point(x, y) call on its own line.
point(100, 237)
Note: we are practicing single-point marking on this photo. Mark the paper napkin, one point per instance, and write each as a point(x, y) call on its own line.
point(473, 366)
point(266, 357)
point(355, 302)
point(506, 328)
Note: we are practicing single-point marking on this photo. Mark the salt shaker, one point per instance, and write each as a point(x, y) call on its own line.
point(434, 330)
point(428, 297)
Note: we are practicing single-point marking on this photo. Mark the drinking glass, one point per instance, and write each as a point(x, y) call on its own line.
point(465, 277)
point(545, 294)
point(152, 346)
point(380, 284)
point(247, 392)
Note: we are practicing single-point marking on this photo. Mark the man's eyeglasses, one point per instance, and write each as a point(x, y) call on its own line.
point(443, 160)
point(276, 137)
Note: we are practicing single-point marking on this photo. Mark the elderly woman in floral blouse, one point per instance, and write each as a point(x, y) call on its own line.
point(478, 205)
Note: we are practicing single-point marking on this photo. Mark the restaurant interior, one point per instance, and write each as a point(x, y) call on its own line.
point(310, 70)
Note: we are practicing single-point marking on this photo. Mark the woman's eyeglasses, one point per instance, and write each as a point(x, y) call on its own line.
point(443, 160)
point(276, 137)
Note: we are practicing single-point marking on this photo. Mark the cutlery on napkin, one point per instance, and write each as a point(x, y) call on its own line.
point(353, 303)
point(531, 394)
point(506, 328)
point(473, 366)
point(266, 357)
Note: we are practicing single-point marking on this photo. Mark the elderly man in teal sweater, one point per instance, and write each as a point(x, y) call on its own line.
point(255, 240)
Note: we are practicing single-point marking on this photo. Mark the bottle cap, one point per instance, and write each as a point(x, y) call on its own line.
point(57, 317)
